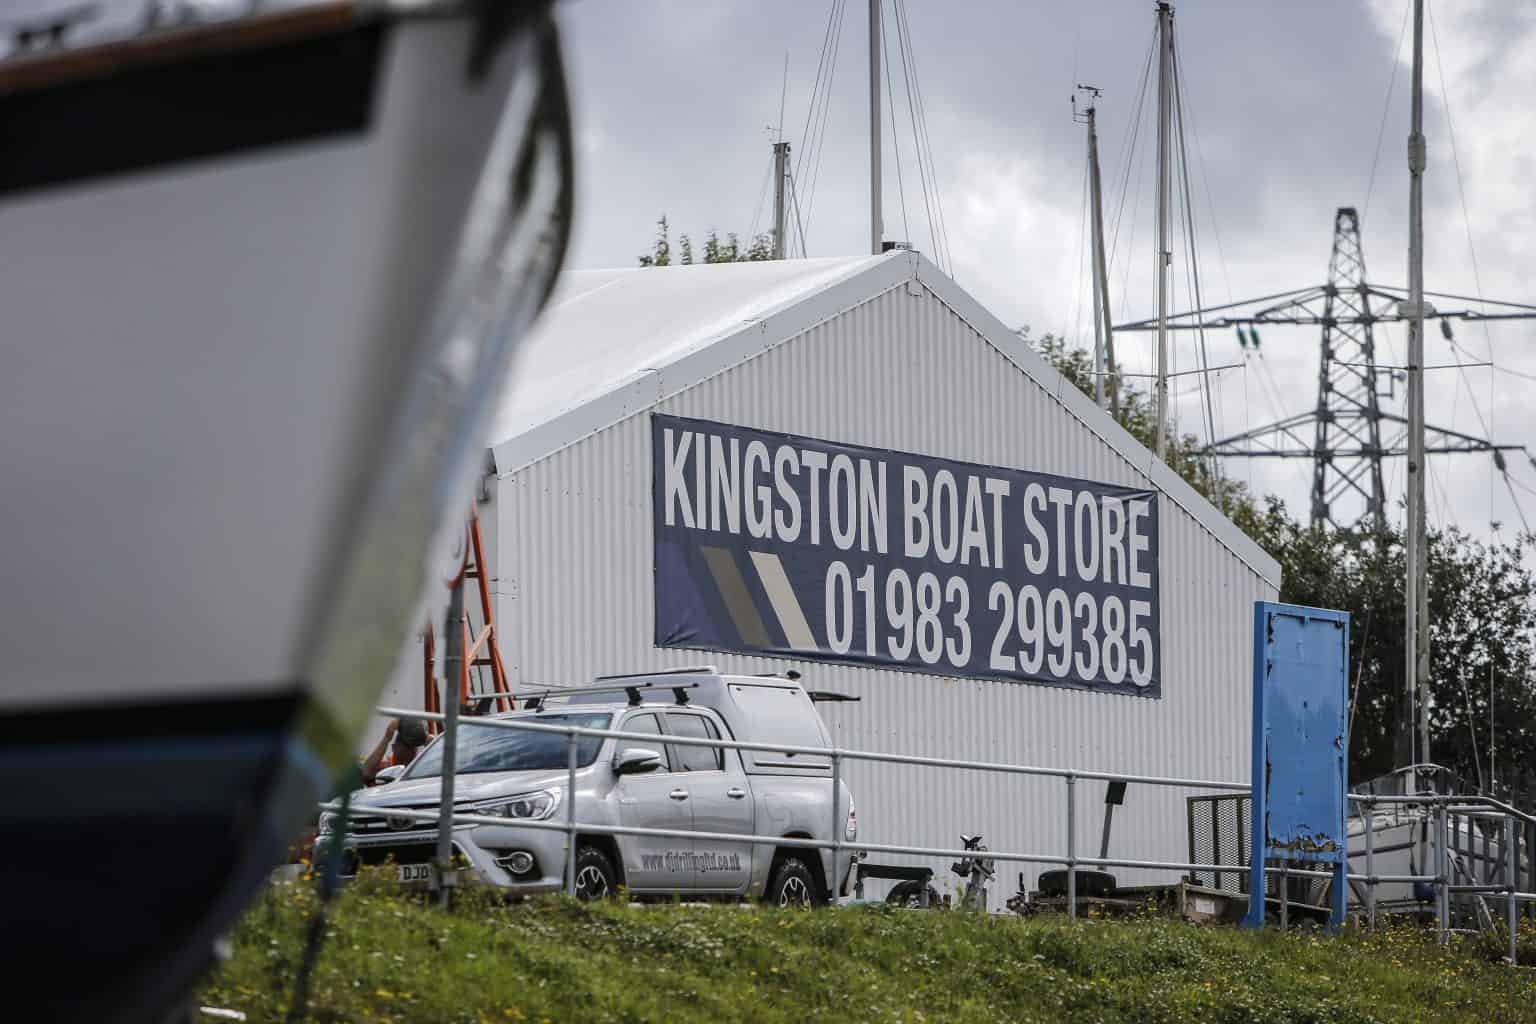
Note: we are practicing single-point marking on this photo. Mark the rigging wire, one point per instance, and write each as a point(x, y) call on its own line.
point(924, 138)
point(821, 64)
point(762, 197)
point(923, 170)
point(794, 198)
point(1128, 151)
point(1193, 256)
point(1210, 201)
point(1477, 280)
point(1074, 309)
point(1466, 696)
point(890, 96)
point(1386, 108)
point(812, 155)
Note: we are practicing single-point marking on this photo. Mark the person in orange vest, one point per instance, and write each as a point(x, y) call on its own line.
point(403, 741)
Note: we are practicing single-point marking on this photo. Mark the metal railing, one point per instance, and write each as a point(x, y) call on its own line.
point(447, 817)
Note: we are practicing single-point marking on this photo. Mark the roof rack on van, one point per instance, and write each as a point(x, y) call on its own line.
point(630, 690)
point(690, 670)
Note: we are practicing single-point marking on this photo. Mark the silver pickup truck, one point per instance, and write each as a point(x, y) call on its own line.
point(633, 783)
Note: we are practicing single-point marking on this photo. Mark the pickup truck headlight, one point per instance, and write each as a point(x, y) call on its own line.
point(536, 805)
point(851, 828)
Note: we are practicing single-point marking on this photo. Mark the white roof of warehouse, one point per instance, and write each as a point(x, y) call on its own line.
point(615, 342)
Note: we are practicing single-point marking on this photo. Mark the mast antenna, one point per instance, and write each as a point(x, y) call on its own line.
point(1164, 255)
point(876, 228)
point(1103, 333)
point(1416, 604)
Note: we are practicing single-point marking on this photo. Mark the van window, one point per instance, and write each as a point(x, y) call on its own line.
point(780, 714)
point(647, 724)
point(690, 758)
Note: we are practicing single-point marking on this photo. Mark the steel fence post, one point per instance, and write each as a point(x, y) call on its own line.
point(834, 880)
point(1442, 870)
point(1370, 868)
point(1285, 895)
point(1511, 865)
point(1072, 847)
point(570, 814)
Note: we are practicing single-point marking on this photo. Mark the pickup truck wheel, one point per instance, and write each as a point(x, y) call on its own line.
point(910, 894)
point(793, 885)
point(595, 877)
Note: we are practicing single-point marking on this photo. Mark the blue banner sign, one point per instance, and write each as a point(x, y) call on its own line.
point(773, 544)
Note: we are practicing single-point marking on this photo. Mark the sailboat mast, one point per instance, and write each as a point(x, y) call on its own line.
point(1103, 333)
point(780, 173)
point(1164, 257)
point(1416, 689)
point(876, 228)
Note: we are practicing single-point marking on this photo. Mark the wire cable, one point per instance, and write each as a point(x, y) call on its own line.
point(926, 139)
point(810, 112)
point(1133, 133)
point(890, 96)
point(1386, 108)
point(1074, 308)
point(762, 198)
point(821, 104)
point(1210, 201)
point(1477, 281)
point(1193, 255)
point(794, 198)
point(922, 170)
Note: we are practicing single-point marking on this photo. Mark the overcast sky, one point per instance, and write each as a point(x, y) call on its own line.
point(675, 103)
point(674, 99)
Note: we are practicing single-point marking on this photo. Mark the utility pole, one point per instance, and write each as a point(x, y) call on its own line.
point(1416, 604)
point(1103, 332)
point(876, 228)
point(453, 635)
point(1164, 257)
point(780, 171)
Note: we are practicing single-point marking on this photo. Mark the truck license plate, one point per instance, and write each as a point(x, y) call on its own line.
point(414, 872)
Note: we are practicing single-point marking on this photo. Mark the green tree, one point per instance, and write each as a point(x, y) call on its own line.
point(1482, 614)
point(716, 250)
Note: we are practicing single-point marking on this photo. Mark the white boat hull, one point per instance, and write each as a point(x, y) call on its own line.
point(241, 382)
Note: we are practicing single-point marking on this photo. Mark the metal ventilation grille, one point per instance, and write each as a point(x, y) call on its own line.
point(1219, 831)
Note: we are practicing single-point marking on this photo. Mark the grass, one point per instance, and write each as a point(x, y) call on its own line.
point(389, 956)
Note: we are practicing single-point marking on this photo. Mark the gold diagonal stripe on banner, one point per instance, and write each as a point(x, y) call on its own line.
point(738, 601)
point(782, 596)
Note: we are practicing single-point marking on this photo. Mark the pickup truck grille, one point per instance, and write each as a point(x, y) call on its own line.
point(403, 853)
point(373, 824)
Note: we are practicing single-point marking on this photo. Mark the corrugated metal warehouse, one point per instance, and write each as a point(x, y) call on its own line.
point(656, 407)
